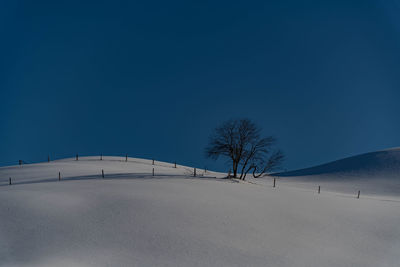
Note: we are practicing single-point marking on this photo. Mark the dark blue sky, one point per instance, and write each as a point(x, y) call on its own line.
point(153, 78)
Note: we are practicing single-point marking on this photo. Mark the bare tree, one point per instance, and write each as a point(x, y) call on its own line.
point(240, 141)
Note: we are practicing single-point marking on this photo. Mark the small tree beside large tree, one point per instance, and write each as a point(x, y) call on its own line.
point(241, 143)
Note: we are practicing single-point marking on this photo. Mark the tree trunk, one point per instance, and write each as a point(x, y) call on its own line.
point(235, 169)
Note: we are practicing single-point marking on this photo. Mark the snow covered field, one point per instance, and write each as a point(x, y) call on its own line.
point(131, 218)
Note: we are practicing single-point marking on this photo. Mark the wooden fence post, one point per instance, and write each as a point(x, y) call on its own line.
point(358, 195)
point(9, 181)
point(59, 176)
point(274, 182)
point(102, 173)
point(319, 189)
point(194, 172)
point(153, 171)
point(153, 162)
point(126, 157)
point(175, 165)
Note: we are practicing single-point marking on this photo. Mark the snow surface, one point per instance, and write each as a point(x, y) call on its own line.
point(131, 218)
point(375, 173)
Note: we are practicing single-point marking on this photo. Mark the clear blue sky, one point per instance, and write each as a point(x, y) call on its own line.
point(153, 78)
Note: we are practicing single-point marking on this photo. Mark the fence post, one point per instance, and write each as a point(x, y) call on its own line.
point(274, 182)
point(153, 162)
point(102, 173)
point(153, 171)
point(59, 176)
point(319, 189)
point(175, 165)
point(358, 195)
point(126, 157)
point(9, 181)
point(205, 169)
point(194, 172)
point(76, 156)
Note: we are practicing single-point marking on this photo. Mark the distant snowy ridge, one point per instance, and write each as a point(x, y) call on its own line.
point(375, 173)
point(374, 163)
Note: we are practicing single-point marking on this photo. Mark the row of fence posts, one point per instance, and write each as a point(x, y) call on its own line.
point(194, 174)
point(20, 162)
point(101, 158)
point(274, 185)
point(102, 171)
point(77, 158)
point(319, 189)
point(153, 173)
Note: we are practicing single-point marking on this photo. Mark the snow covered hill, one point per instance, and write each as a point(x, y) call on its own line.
point(376, 173)
point(93, 168)
point(132, 218)
point(386, 162)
